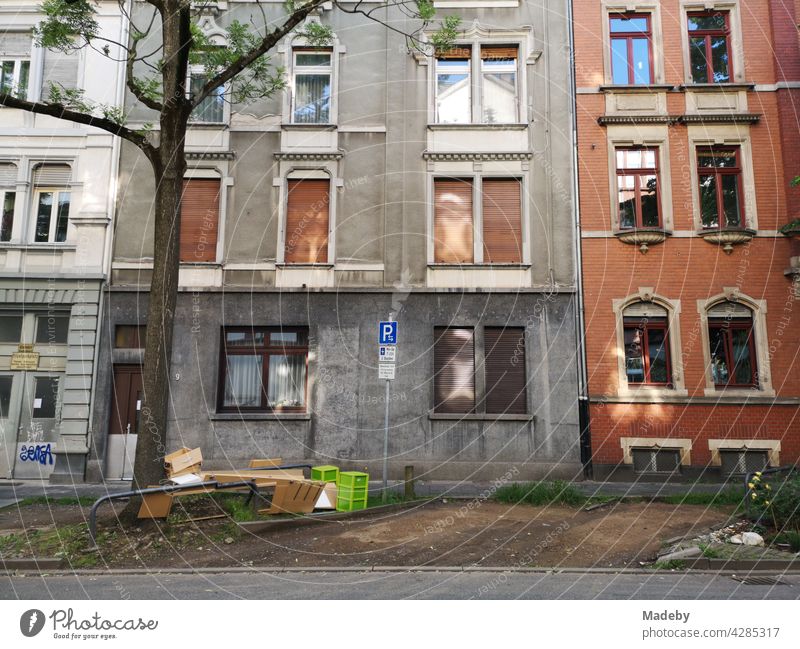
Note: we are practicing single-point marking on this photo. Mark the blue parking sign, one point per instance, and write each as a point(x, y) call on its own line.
point(387, 333)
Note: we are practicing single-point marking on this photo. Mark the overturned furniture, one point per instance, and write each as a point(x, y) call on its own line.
point(285, 486)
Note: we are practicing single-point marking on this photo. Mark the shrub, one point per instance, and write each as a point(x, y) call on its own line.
point(776, 500)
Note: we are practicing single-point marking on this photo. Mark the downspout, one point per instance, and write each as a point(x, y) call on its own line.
point(584, 422)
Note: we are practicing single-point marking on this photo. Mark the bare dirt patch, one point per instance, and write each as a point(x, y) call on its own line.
point(436, 534)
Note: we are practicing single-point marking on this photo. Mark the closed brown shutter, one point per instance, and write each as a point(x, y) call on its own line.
point(502, 221)
point(499, 52)
point(455, 52)
point(199, 219)
point(505, 370)
point(452, 221)
point(453, 370)
point(307, 222)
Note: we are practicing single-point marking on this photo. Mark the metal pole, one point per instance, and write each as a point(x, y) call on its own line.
point(385, 495)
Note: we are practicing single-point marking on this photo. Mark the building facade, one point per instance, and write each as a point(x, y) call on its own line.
point(57, 183)
point(435, 188)
point(687, 146)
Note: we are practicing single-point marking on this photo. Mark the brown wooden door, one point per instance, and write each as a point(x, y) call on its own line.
point(126, 400)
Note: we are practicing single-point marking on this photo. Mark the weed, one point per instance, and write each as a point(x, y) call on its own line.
point(791, 537)
point(728, 496)
point(557, 492)
point(709, 552)
point(672, 564)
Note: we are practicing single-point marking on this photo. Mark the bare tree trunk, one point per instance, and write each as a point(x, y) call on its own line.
point(169, 167)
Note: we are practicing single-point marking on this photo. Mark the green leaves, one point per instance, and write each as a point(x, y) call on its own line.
point(64, 21)
point(447, 33)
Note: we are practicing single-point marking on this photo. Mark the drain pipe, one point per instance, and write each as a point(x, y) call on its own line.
point(580, 320)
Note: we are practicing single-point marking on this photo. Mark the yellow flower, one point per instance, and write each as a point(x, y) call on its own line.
point(750, 485)
point(767, 487)
point(766, 502)
point(758, 473)
point(756, 478)
point(753, 496)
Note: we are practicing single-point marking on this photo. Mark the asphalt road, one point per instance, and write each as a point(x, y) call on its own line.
point(391, 585)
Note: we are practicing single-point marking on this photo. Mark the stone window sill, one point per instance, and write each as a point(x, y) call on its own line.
point(513, 126)
point(478, 416)
point(479, 266)
point(716, 87)
point(643, 88)
point(259, 416)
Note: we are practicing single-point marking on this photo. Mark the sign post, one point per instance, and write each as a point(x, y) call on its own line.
point(387, 355)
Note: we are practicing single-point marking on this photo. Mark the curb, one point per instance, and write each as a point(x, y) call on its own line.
point(39, 564)
point(727, 571)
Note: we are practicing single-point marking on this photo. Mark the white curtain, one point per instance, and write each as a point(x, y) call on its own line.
point(243, 381)
point(287, 381)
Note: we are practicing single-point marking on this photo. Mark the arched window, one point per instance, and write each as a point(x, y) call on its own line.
point(647, 357)
point(732, 346)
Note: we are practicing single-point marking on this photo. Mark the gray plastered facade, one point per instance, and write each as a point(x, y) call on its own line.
point(381, 152)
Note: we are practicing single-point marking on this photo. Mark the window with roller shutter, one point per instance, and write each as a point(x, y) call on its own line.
point(453, 221)
point(502, 220)
point(199, 219)
point(453, 370)
point(307, 221)
point(505, 370)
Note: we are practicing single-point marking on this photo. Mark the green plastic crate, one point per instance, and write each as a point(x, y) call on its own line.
point(352, 493)
point(353, 479)
point(345, 505)
point(325, 473)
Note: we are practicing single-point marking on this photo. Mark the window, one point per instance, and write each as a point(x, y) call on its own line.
point(45, 397)
point(14, 74)
point(637, 188)
point(454, 86)
point(454, 366)
point(742, 462)
point(505, 370)
point(631, 44)
point(709, 46)
point(499, 84)
point(307, 221)
point(732, 345)
point(646, 332)
point(6, 384)
point(263, 369)
point(312, 86)
point(498, 100)
point(212, 109)
point(52, 329)
point(51, 202)
point(502, 220)
point(199, 220)
point(652, 460)
point(720, 179)
point(453, 370)
point(130, 336)
point(454, 221)
point(8, 180)
point(10, 328)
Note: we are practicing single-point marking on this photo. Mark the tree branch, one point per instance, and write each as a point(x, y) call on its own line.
point(269, 41)
point(130, 81)
point(61, 112)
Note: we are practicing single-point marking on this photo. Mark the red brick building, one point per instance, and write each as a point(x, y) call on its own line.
point(688, 117)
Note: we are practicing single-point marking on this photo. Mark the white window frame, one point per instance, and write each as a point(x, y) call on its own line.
point(477, 217)
point(200, 71)
point(508, 67)
point(647, 295)
point(18, 61)
point(315, 70)
point(759, 310)
point(476, 81)
point(3, 192)
point(53, 215)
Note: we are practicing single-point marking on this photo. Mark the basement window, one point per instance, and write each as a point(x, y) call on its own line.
point(741, 462)
point(656, 460)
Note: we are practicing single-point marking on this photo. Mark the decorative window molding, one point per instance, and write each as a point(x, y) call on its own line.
point(736, 50)
point(653, 137)
point(216, 108)
point(650, 7)
point(758, 308)
point(772, 446)
point(681, 444)
point(647, 296)
point(732, 135)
